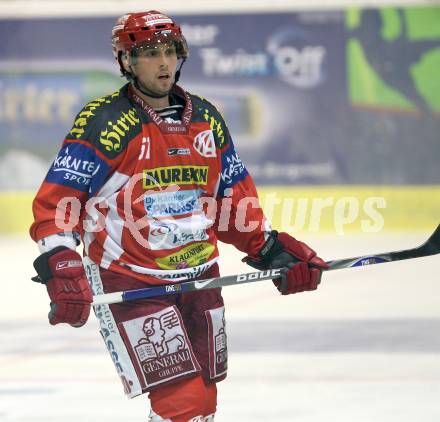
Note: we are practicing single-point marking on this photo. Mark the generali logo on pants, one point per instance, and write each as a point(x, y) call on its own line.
point(204, 144)
point(161, 346)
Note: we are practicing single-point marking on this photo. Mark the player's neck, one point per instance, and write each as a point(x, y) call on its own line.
point(154, 103)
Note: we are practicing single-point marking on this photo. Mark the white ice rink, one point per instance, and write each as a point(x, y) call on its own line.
point(365, 347)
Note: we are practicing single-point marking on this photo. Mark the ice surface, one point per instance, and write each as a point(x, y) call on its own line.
point(364, 347)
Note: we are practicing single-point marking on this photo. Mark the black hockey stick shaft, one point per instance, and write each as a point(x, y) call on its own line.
point(430, 247)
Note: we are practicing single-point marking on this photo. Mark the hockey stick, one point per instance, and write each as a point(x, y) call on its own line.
point(430, 247)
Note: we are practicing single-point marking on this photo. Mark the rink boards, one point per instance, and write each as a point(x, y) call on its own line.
point(306, 209)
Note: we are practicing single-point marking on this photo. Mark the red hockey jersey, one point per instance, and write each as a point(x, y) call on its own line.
point(149, 197)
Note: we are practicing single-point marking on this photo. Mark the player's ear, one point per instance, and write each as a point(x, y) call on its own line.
point(126, 61)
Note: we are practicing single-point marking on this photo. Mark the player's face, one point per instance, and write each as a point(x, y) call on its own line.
point(155, 67)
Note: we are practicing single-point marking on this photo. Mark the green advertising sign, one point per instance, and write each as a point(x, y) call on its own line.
point(393, 58)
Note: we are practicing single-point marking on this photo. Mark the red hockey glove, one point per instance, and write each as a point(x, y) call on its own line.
point(62, 272)
point(302, 268)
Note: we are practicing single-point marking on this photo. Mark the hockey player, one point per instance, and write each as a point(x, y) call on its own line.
point(149, 179)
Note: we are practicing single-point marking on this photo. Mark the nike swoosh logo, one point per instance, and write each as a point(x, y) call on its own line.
point(201, 284)
point(62, 264)
point(68, 264)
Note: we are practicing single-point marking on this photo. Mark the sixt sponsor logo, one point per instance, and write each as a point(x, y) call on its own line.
point(172, 203)
point(189, 256)
point(175, 175)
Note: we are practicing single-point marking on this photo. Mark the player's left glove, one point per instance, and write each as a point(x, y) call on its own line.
point(62, 271)
point(302, 269)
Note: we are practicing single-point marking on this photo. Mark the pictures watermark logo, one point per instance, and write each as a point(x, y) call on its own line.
point(173, 217)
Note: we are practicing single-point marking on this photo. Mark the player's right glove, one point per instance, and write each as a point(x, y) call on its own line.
point(302, 269)
point(62, 271)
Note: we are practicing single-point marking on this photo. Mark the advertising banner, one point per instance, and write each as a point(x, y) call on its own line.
point(335, 97)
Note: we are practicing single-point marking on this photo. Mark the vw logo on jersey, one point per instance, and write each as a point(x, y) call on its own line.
point(204, 144)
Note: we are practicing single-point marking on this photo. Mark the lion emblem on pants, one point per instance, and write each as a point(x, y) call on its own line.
point(161, 334)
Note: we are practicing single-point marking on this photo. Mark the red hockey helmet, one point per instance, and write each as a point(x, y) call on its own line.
point(152, 27)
